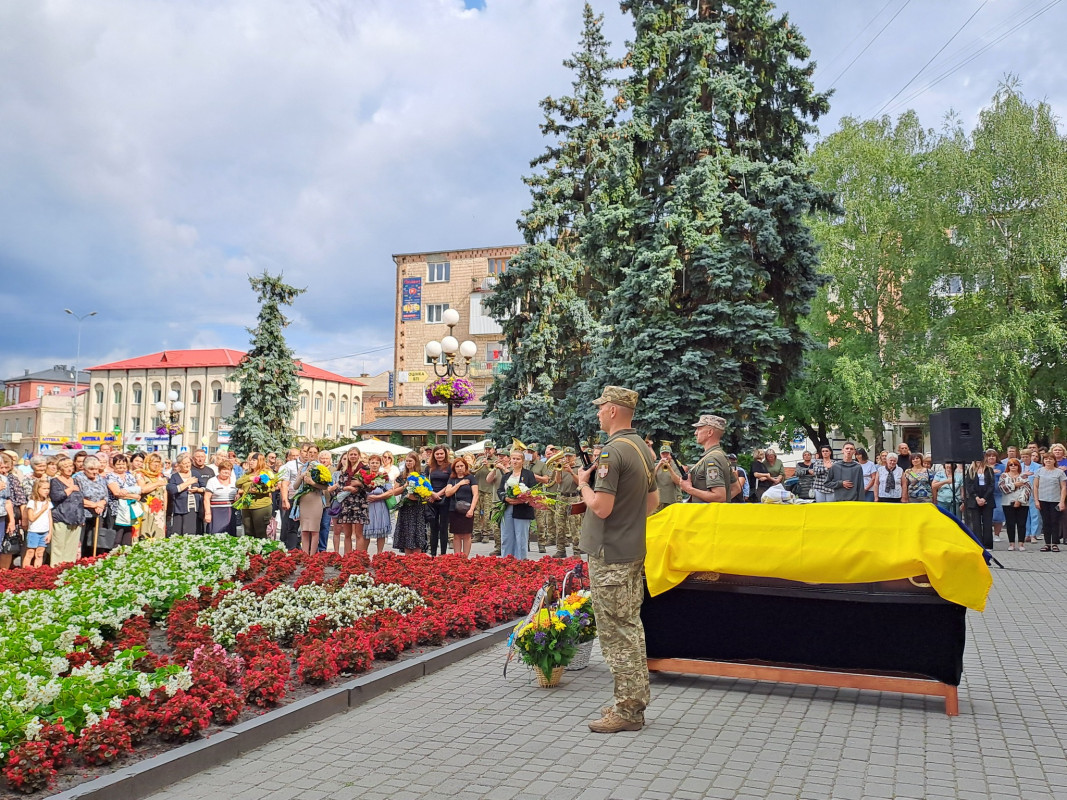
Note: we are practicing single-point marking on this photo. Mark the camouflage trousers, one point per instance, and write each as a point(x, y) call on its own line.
point(483, 524)
point(568, 525)
point(546, 527)
point(618, 590)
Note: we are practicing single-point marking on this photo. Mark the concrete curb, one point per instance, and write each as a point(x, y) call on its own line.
point(149, 776)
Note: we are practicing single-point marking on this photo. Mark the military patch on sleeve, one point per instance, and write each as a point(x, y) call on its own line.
point(713, 472)
point(602, 471)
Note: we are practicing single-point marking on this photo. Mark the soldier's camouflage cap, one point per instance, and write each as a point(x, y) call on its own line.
point(618, 395)
point(710, 421)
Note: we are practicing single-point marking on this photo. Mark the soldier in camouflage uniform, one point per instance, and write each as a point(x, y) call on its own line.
point(613, 535)
point(483, 523)
point(710, 480)
point(568, 525)
point(666, 475)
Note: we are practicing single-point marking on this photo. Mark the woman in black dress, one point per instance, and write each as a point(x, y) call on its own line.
point(410, 533)
point(462, 491)
point(439, 472)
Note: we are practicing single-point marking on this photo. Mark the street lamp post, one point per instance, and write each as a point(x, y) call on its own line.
point(168, 418)
point(77, 361)
point(450, 369)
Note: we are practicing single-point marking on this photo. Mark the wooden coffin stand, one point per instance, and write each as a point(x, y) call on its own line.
point(892, 636)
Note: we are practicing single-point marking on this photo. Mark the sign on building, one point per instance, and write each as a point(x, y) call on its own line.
point(411, 299)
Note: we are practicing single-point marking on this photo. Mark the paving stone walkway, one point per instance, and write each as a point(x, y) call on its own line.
point(467, 732)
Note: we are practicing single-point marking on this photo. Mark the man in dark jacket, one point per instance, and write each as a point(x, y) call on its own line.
point(845, 478)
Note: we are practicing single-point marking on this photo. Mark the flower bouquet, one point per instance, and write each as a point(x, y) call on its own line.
point(416, 490)
point(547, 643)
point(262, 485)
point(321, 475)
point(169, 430)
point(580, 606)
point(535, 498)
point(459, 390)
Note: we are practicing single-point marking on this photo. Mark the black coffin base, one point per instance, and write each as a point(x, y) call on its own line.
point(887, 634)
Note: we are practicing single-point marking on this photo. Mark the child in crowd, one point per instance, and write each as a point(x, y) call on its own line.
point(39, 535)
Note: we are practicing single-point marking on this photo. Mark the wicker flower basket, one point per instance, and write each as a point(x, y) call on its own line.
point(581, 656)
point(553, 680)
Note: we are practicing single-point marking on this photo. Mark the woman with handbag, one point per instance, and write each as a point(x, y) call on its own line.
point(1015, 499)
point(462, 488)
point(124, 506)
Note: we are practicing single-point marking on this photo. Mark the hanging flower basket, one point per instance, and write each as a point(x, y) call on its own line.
point(169, 430)
point(459, 390)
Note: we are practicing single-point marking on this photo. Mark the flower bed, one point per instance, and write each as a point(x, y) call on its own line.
point(85, 672)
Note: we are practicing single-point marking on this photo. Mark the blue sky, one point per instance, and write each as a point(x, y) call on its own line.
point(152, 155)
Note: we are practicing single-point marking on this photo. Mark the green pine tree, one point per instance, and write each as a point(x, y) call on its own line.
point(267, 375)
point(550, 335)
point(701, 234)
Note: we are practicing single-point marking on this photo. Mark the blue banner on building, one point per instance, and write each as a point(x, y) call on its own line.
point(411, 299)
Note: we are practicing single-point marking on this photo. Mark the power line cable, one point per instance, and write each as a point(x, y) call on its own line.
point(349, 355)
point(872, 41)
point(959, 30)
point(855, 38)
point(969, 58)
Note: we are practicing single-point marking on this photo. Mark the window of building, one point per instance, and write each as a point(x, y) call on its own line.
point(99, 393)
point(948, 286)
point(329, 429)
point(330, 403)
point(216, 392)
point(136, 423)
point(7, 426)
point(431, 361)
point(137, 394)
point(318, 428)
point(96, 423)
point(438, 271)
point(434, 311)
point(115, 424)
point(303, 429)
point(344, 404)
point(496, 352)
point(116, 394)
point(55, 390)
point(194, 424)
point(40, 392)
point(157, 393)
point(29, 424)
point(215, 424)
point(18, 424)
point(177, 389)
point(318, 402)
point(383, 404)
point(303, 402)
point(498, 266)
point(195, 394)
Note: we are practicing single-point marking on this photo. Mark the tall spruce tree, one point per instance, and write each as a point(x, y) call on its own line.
point(550, 334)
point(267, 375)
point(701, 233)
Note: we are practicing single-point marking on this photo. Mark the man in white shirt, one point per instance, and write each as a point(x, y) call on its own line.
point(288, 482)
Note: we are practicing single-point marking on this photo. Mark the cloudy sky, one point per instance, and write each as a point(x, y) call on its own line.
point(153, 153)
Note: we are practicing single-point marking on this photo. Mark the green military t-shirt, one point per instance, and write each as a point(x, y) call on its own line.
point(567, 484)
point(668, 492)
point(712, 471)
point(627, 473)
point(482, 474)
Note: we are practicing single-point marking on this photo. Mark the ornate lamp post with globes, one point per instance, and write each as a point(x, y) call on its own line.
point(451, 387)
point(169, 414)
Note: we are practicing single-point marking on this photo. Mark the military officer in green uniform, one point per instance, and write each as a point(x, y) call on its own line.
point(483, 523)
point(566, 490)
point(668, 478)
point(543, 517)
point(613, 536)
point(710, 479)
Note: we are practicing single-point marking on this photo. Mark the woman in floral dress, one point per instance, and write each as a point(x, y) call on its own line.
point(410, 533)
point(354, 512)
point(920, 481)
point(153, 484)
point(378, 524)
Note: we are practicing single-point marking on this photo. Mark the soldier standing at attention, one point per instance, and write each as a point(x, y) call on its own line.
point(613, 535)
point(710, 480)
point(543, 517)
point(668, 479)
point(566, 489)
point(483, 524)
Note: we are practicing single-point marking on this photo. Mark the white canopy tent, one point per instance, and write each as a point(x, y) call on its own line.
point(370, 447)
point(477, 447)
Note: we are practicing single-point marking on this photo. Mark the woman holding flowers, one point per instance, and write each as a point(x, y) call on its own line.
point(462, 492)
point(354, 513)
point(378, 523)
point(518, 514)
point(410, 533)
point(153, 485)
point(312, 500)
point(254, 496)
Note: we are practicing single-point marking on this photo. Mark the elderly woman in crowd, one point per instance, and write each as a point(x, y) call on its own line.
point(124, 495)
point(93, 487)
point(919, 481)
point(153, 485)
point(889, 485)
point(1015, 493)
point(219, 494)
point(185, 504)
point(767, 473)
point(68, 513)
point(1050, 486)
point(12, 502)
point(805, 475)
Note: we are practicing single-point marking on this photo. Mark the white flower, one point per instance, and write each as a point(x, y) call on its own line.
point(91, 719)
point(32, 729)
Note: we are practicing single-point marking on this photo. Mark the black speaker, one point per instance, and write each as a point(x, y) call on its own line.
point(956, 435)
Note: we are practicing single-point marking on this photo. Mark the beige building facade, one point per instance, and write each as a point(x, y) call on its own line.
point(46, 420)
point(123, 395)
point(427, 285)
